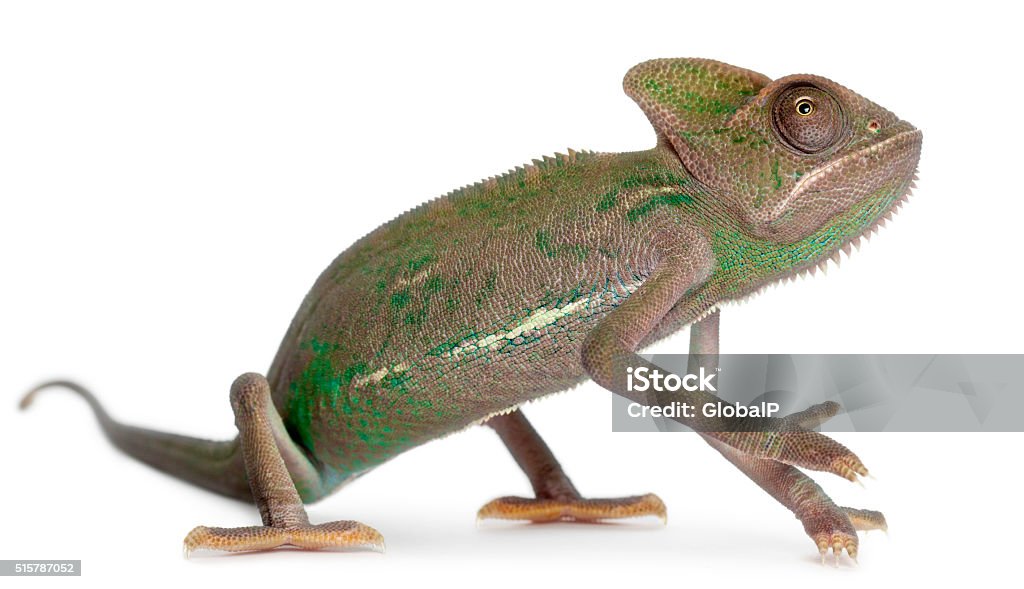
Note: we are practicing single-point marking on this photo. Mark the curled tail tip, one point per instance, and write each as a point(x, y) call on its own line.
point(28, 398)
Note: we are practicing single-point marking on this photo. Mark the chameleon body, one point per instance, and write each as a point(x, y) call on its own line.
point(528, 283)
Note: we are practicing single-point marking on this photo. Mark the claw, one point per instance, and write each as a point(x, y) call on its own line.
point(823, 549)
point(837, 540)
point(849, 467)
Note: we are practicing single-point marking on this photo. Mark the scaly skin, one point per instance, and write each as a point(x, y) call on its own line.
point(526, 284)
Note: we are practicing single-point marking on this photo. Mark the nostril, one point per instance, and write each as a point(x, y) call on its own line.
point(874, 126)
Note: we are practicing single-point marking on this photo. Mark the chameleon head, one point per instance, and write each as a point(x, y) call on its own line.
point(786, 158)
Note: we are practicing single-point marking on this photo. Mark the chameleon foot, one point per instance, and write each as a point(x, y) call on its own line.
point(573, 509)
point(794, 444)
point(556, 497)
point(831, 528)
point(337, 535)
point(818, 452)
point(828, 525)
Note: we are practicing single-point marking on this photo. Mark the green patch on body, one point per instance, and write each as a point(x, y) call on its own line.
point(321, 378)
point(433, 285)
point(692, 102)
point(417, 263)
point(578, 251)
point(397, 381)
point(445, 348)
point(416, 317)
point(651, 204)
point(654, 180)
point(341, 397)
point(490, 285)
point(542, 241)
point(400, 299)
point(607, 201)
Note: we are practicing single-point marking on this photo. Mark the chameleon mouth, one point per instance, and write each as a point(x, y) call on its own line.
point(868, 176)
point(906, 143)
point(913, 136)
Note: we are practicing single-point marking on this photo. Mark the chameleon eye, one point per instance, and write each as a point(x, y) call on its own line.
point(804, 107)
point(807, 119)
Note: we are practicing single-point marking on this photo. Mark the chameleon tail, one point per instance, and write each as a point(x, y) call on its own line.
point(213, 465)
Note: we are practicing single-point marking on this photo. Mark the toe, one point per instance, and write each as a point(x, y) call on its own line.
point(865, 520)
point(521, 508)
point(339, 534)
point(548, 510)
point(623, 508)
point(234, 539)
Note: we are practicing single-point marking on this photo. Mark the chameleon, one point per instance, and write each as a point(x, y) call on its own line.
point(525, 284)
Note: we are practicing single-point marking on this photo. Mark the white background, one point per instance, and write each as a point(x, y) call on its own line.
point(174, 176)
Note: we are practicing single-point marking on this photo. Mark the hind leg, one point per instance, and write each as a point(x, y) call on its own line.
point(284, 518)
point(556, 498)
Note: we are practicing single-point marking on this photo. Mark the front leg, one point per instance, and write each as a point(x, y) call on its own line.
point(611, 348)
point(789, 441)
point(828, 525)
point(555, 497)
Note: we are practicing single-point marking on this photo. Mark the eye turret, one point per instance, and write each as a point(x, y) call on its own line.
point(808, 119)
